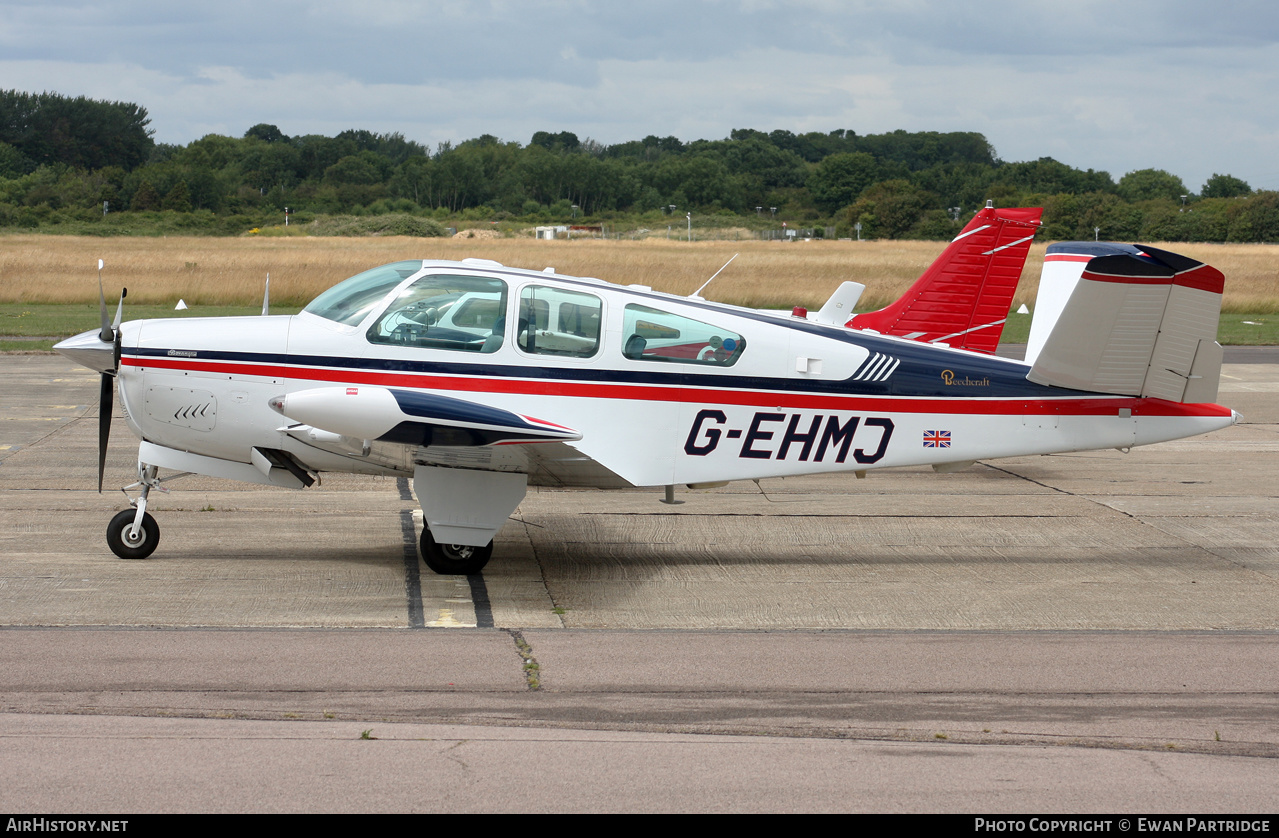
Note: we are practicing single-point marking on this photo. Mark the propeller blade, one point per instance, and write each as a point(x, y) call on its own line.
point(119, 310)
point(106, 335)
point(106, 395)
point(119, 315)
point(106, 404)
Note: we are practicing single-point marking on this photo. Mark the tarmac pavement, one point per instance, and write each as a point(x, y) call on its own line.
point(1088, 609)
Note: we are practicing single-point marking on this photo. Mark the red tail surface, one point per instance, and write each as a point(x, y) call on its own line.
point(962, 300)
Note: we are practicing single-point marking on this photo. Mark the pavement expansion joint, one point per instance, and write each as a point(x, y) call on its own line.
point(532, 670)
point(1027, 479)
point(412, 577)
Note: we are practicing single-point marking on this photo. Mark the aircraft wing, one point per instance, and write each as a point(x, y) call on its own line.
point(561, 464)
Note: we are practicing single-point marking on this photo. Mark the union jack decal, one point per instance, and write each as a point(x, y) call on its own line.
point(936, 439)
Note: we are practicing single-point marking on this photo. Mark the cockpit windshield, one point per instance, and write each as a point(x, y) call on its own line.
point(351, 300)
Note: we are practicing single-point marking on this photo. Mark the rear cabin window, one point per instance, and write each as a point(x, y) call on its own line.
point(651, 334)
point(463, 313)
point(554, 321)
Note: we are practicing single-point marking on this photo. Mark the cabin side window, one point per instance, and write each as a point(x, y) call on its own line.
point(554, 321)
point(651, 334)
point(462, 313)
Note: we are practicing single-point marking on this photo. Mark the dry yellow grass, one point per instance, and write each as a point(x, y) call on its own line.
point(231, 271)
point(1252, 273)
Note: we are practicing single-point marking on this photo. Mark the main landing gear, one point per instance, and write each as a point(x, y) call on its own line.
point(454, 559)
point(133, 534)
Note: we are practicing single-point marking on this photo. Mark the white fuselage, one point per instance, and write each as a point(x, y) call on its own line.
point(653, 402)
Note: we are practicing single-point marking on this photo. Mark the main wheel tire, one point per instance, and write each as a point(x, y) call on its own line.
point(454, 559)
point(118, 535)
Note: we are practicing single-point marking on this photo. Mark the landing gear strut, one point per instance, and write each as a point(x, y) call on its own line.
point(454, 559)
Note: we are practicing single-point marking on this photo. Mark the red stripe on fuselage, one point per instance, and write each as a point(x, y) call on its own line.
point(960, 405)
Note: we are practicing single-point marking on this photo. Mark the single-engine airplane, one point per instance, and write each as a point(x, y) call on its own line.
point(478, 380)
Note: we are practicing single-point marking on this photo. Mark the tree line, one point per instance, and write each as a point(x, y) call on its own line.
point(79, 161)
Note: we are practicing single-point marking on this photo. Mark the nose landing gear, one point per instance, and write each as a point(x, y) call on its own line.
point(128, 540)
point(134, 534)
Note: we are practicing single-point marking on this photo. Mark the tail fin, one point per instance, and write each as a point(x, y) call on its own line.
point(1129, 320)
point(962, 300)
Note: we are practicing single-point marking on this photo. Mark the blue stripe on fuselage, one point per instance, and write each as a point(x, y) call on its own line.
point(925, 371)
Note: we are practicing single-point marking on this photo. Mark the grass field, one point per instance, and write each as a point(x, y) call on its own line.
point(49, 287)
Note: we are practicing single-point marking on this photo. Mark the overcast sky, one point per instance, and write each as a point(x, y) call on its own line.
point(1190, 87)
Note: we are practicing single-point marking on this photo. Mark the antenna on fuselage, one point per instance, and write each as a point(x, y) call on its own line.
point(697, 295)
point(266, 296)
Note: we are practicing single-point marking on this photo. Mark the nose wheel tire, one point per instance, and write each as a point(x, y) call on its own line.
point(132, 548)
point(454, 559)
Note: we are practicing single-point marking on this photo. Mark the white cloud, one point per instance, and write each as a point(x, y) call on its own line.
point(1177, 85)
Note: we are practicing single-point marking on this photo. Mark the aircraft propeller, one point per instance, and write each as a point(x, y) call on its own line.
point(110, 333)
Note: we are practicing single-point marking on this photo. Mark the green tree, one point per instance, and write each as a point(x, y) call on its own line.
point(889, 209)
point(213, 151)
point(761, 166)
point(316, 153)
point(966, 186)
point(839, 179)
point(13, 162)
point(178, 198)
point(393, 146)
point(458, 179)
point(1049, 177)
point(364, 168)
point(703, 180)
point(145, 198)
point(266, 133)
point(412, 180)
point(80, 132)
point(924, 149)
point(1256, 219)
point(266, 165)
point(1149, 184)
point(563, 141)
point(1225, 186)
point(1117, 220)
